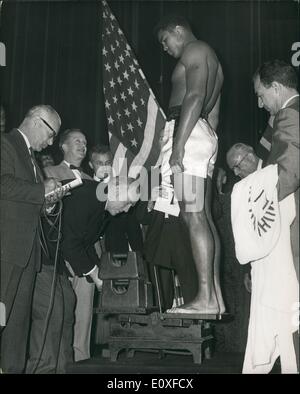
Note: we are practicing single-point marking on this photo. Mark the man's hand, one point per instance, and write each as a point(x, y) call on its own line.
point(221, 179)
point(158, 191)
point(176, 160)
point(50, 185)
point(94, 276)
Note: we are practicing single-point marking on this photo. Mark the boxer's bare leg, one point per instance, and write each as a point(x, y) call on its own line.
point(217, 244)
point(190, 192)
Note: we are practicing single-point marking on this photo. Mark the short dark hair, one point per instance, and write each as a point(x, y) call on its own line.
point(101, 149)
point(169, 22)
point(64, 136)
point(277, 71)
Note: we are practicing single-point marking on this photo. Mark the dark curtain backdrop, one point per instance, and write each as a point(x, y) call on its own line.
point(54, 56)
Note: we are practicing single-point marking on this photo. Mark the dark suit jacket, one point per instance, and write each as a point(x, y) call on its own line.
point(167, 245)
point(21, 201)
point(285, 152)
point(83, 220)
point(123, 229)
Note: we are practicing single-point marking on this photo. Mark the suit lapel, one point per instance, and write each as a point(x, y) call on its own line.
point(65, 169)
point(294, 103)
point(23, 151)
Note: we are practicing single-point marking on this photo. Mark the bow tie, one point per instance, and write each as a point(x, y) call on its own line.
point(72, 167)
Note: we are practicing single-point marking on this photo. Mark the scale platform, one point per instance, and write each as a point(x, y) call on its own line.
point(164, 332)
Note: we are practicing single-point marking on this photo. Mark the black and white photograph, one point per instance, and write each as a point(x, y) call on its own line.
point(149, 190)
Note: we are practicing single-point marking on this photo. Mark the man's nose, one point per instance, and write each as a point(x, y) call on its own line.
point(260, 103)
point(236, 171)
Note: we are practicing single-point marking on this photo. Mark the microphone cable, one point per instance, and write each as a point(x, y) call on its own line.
point(57, 221)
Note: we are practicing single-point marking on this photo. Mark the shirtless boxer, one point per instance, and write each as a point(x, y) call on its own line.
point(193, 116)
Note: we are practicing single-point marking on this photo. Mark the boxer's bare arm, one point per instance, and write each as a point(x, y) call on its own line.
point(196, 76)
point(193, 68)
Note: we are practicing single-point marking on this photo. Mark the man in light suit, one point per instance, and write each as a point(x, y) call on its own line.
point(275, 84)
point(22, 198)
point(74, 147)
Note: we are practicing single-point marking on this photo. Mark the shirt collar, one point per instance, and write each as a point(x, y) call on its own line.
point(288, 100)
point(75, 171)
point(26, 139)
point(259, 164)
point(67, 163)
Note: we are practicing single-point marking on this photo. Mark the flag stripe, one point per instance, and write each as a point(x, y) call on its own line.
point(119, 155)
point(134, 116)
point(144, 152)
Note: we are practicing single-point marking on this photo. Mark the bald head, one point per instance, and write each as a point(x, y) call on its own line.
point(46, 111)
point(41, 125)
point(242, 160)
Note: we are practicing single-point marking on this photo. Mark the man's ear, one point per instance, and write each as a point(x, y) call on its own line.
point(63, 148)
point(179, 30)
point(277, 86)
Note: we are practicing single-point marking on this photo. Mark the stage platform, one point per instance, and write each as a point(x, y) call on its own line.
point(155, 363)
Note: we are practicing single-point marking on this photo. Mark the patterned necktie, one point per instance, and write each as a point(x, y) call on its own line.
point(34, 163)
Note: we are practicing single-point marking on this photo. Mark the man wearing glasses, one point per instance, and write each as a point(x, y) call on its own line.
point(272, 273)
point(242, 160)
point(275, 84)
point(23, 192)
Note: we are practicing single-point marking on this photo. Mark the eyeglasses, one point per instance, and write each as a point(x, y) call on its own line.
point(50, 127)
point(238, 164)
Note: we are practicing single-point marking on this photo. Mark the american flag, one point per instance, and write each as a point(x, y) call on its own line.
point(134, 118)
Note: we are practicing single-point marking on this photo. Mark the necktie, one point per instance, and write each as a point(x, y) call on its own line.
point(34, 163)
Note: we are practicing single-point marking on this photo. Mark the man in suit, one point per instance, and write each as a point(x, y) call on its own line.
point(22, 198)
point(275, 84)
point(122, 230)
point(51, 331)
point(73, 144)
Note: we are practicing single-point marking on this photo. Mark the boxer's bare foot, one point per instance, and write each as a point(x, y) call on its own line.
point(197, 307)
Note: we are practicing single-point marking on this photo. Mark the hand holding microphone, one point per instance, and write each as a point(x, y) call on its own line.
point(55, 191)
